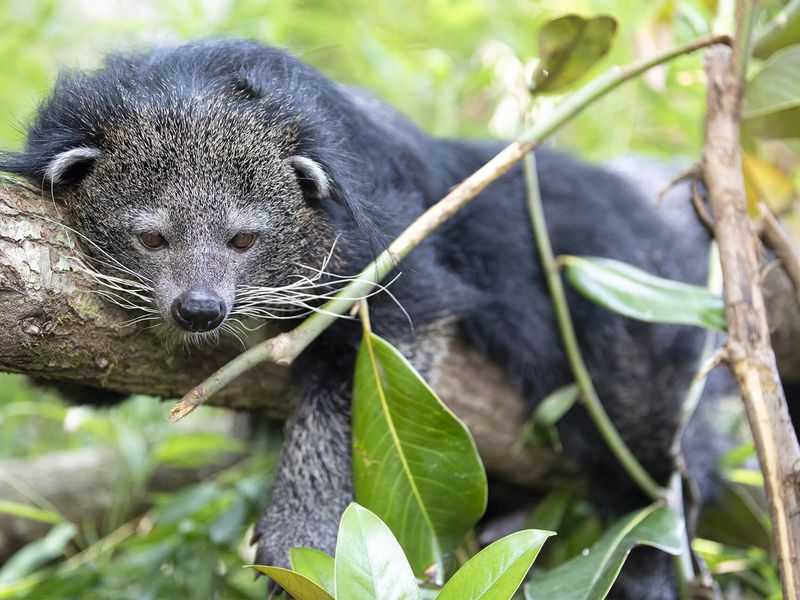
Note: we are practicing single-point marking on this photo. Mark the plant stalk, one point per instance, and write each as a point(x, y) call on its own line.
point(592, 402)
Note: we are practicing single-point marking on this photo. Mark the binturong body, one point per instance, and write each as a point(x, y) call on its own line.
point(230, 181)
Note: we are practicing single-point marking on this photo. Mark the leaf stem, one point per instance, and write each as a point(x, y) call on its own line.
point(284, 348)
point(592, 402)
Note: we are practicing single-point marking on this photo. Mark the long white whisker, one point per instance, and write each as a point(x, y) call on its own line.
point(117, 263)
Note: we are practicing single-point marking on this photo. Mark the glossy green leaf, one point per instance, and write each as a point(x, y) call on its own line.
point(497, 571)
point(369, 564)
point(297, 586)
point(315, 565)
point(569, 47)
point(591, 574)
point(415, 464)
point(634, 293)
point(776, 87)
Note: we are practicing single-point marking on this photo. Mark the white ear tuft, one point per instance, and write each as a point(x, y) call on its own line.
point(312, 177)
point(58, 169)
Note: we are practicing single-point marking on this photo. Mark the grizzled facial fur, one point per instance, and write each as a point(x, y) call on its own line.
point(198, 205)
point(195, 182)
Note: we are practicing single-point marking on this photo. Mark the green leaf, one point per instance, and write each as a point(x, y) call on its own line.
point(315, 565)
point(195, 449)
point(550, 510)
point(496, 572)
point(737, 518)
point(591, 574)
point(26, 511)
point(37, 553)
point(782, 31)
point(415, 464)
point(298, 587)
point(781, 125)
point(771, 107)
point(569, 47)
point(776, 87)
point(634, 293)
point(556, 405)
point(369, 564)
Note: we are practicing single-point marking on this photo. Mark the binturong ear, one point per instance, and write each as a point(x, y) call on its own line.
point(71, 166)
point(312, 178)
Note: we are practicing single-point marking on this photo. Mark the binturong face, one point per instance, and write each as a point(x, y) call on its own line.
point(207, 182)
point(199, 215)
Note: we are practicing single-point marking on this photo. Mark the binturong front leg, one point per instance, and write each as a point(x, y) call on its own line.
point(314, 482)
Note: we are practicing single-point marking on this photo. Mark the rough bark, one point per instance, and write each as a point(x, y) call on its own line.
point(52, 325)
point(750, 354)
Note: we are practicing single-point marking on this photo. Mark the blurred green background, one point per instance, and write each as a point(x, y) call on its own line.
point(456, 67)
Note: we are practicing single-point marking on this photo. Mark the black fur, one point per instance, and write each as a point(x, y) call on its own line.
point(480, 271)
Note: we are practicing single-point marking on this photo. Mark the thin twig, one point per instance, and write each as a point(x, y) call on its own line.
point(777, 239)
point(700, 209)
point(286, 347)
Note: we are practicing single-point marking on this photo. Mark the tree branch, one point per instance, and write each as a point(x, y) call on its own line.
point(749, 352)
point(53, 326)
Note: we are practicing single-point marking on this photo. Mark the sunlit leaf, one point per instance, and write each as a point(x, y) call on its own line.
point(634, 293)
point(195, 449)
point(299, 587)
point(26, 511)
point(497, 571)
point(415, 464)
point(369, 563)
point(764, 182)
point(569, 47)
point(591, 574)
point(315, 565)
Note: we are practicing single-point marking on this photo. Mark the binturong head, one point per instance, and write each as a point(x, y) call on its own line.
point(203, 188)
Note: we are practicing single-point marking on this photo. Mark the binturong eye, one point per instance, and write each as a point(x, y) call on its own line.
point(243, 240)
point(152, 240)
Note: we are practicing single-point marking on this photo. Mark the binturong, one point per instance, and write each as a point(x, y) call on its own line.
point(224, 180)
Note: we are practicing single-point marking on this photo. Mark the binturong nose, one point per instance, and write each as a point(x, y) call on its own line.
point(198, 309)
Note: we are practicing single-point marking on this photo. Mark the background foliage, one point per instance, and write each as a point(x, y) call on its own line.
point(454, 66)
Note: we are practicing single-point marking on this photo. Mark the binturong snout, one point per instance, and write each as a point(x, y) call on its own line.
point(198, 309)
